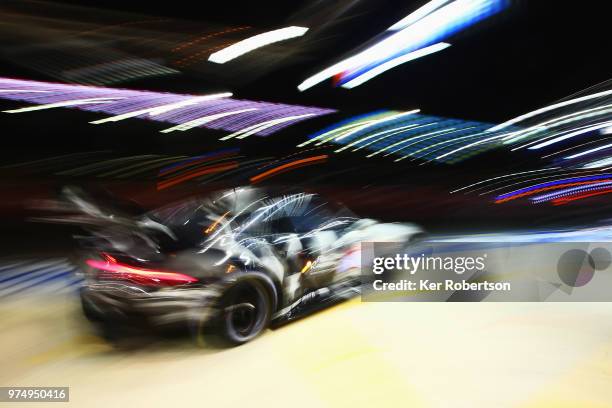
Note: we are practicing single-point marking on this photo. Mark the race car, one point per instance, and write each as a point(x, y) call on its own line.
point(234, 262)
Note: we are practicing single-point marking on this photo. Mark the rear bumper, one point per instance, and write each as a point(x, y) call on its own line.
point(121, 303)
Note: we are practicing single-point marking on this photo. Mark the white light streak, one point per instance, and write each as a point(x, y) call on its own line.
point(329, 72)
point(414, 141)
point(74, 102)
point(558, 121)
point(548, 108)
point(252, 43)
point(158, 110)
point(454, 141)
point(331, 132)
point(379, 121)
point(203, 120)
point(500, 177)
point(21, 90)
point(417, 14)
point(241, 134)
point(415, 36)
point(599, 163)
point(392, 131)
point(571, 134)
point(352, 128)
point(549, 136)
point(392, 134)
point(468, 146)
point(374, 72)
point(573, 156)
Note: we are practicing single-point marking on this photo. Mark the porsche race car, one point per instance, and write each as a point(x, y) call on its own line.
point(234, 262)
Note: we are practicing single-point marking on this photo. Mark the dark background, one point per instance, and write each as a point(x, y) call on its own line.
point(534, 53)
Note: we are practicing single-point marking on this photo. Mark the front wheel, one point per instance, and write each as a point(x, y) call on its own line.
point(246, 311)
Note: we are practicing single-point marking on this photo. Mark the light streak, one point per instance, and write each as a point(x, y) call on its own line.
point(550, 136)
point(425, 31)
point(190, 43)
point(327, 135)
point(382, 68)
point(392, 134)
point(257, 41)
point(550, 184)
point(531, 192)
point(565, 200)
point(388, 133)
point(431, 146)
point(531, 180)
point(196, 160)
point(548, 108)
point(286, 166)
point(521, 134)
point(104, 164)
point(140, 166)
point(575, 147)
point(453, 141)
point(158, 110)
point(500, 177)
point(21, 90)
point(203, 120)
point(134, 273)
point(350, 132)
point(241, 134)
point(330, 72)
point(213, 238)
point(174, 109)
point(373, 123)
point(412, 139)
point(418, 14)
point(570, 135)
point(596, 149)
point(214, 225)
point(331, 132)
point(468, 146)
point(350, 129)
point(197, 173)
point(598, 164)
point(63, 104)
point(570, 191)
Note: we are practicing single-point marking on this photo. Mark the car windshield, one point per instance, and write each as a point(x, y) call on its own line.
point(297, 213)
point(194, 220)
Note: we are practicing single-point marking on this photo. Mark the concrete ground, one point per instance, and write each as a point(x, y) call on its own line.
point(354, 354)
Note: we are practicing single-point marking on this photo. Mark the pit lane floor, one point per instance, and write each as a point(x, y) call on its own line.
point(353, 354)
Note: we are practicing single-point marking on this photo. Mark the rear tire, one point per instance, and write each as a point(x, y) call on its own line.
point(246, 309)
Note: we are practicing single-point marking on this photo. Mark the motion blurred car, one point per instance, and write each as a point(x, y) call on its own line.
point(234, 262)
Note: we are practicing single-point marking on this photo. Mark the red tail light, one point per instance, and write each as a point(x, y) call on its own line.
point(142, 276)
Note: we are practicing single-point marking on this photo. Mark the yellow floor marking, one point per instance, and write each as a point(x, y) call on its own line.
point(72, 347)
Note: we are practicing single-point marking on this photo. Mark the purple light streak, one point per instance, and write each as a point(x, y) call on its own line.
point(41, 93)
point(552, 183)
point(570, 191)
